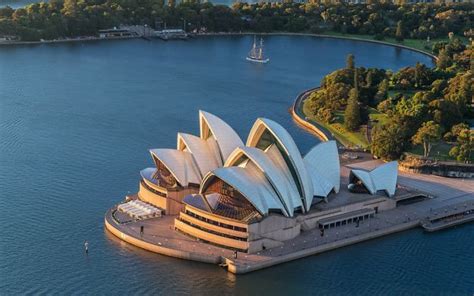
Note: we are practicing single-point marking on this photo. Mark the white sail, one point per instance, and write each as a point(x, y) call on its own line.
point(256, 53)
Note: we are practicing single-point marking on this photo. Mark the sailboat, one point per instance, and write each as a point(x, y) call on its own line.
point(256, 53)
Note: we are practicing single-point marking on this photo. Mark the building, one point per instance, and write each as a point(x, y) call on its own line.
point(382, 178)
point(179, 172)
point(117, 33)
point(253, 196)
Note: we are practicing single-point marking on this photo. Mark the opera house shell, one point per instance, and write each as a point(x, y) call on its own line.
point(382, 178)
point(232, 194)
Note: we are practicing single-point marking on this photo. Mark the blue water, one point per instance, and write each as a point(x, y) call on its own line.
point(77, 120)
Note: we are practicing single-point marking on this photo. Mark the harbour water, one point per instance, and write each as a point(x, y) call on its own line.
point(76, 121)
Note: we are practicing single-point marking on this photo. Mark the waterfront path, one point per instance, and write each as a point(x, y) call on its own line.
point(306, 123)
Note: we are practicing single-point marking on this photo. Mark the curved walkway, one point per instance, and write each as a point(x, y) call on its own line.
point(308, 124)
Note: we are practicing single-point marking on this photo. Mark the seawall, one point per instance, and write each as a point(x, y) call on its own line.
point(122, 233)
point(311, 126)
point(241, 269)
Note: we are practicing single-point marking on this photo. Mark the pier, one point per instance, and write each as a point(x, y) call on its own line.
point(424, 201)
point(449, 216)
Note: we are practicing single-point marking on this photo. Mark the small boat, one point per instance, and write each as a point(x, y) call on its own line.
point(256, 53)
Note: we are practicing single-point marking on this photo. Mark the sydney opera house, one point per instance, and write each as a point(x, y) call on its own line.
point(253, 195)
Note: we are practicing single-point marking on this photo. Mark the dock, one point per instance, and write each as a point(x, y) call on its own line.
point(449, 217)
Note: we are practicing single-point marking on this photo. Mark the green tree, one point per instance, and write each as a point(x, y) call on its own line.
point(350, 61)
point(369, 80)
point(399, 36)
point(428, 134)
point(388, 141)
point(382, 91)
point(70, 8)
point(471, 64)
point(418, 73)
point(325, 114)
point(352, 112)
point(356, 81)
point(464, 142)
point(444, 60)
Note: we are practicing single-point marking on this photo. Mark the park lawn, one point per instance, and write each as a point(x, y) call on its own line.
point(347, 138)
point(439, 151)
point(405, 92)
point(377, 117)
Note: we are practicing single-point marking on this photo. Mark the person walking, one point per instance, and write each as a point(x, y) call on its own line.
point(86, 247)
point(141, 230)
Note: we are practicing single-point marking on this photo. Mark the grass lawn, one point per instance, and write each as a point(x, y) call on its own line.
point(377, 117)
point(405, 92)
point(439, 151)
point(346, 138)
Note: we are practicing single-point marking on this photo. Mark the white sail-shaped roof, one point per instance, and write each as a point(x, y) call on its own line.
point(277, 159)
point(322, 163)
point(180, 164)
point(206, 158)
point(321, 186)
point(227, 139)
point(287, 146)
point(251, 183)
point(283, 185)
point(383, 177)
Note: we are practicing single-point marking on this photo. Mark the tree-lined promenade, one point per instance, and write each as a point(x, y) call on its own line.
point(58, 19)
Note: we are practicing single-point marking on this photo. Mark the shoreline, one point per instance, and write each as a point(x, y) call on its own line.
point(71, 40)
point(93, 38)
point(308, 125)
point(354, 37)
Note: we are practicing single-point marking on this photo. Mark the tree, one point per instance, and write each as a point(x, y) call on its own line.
point(350, 61)
point(418, 71)
point(460, 91)
point(427, 135)
point(382, 91)
point(70, 8)
point(464, 142)
point(352, 112)
point(388, 141)
point(471, 63)
point(399, 32)
point(369, 80)
point(325, 114)
point(356, 81)
point(444, 60)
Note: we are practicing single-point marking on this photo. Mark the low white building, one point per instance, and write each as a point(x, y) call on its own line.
point(382, 178)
